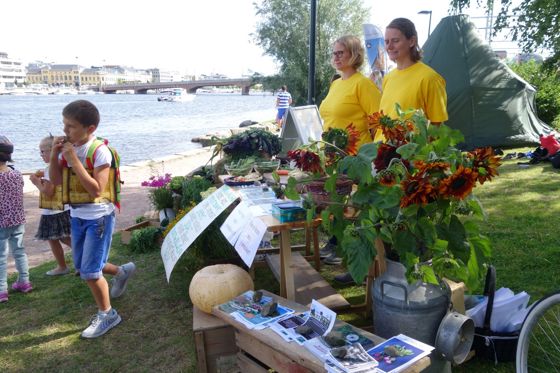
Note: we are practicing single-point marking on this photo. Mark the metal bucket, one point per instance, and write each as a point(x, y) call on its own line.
point(414, 310)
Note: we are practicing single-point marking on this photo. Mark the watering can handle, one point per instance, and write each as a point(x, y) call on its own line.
point(395, 285)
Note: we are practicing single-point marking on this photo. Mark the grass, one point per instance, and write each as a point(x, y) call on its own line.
point(40, 331)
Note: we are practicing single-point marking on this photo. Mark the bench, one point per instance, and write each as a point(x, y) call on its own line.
point(308, 283)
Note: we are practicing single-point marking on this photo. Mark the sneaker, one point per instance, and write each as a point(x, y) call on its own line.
point(101, 324)
point(119, 282)
point(58, 272)
point(332, 259)
point(327, 250)
point(3, 296)
point(345, 279)
point(23, 287)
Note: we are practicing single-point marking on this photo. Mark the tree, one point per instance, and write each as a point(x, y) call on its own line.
point(283, 33)
point(534, 23)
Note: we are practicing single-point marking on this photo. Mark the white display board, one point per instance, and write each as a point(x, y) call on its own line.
point(301, 125)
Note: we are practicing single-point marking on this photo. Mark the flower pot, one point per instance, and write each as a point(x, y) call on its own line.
point(321, 197)
point(166, 213)
point(412, 309)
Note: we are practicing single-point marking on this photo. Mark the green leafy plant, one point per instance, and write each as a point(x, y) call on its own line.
point(254, 142)
point(176, 184)
point(414, 193)
point(145, 240)
point(192, 187)
point(139, 219)
point(161, 198)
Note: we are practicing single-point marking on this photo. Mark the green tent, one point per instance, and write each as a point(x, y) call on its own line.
point(486, 100)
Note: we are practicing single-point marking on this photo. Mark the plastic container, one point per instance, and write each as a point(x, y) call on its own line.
point(288, 211)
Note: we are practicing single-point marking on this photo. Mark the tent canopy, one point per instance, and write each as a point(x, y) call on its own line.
point(486, 100)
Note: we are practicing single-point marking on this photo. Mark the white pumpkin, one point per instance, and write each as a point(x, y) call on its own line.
point(217, 284)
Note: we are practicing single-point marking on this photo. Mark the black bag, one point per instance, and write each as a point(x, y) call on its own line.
point(499, 347)
point(555, 160)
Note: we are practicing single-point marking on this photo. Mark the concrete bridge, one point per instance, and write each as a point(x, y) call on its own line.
point(190, 85)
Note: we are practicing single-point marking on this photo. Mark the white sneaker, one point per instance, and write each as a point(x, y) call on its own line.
point(119, 282)
point(101, 324)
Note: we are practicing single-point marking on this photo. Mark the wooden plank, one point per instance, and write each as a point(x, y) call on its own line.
point(247, 365)
point(272, 358)
point(205, 321)
point(201, 364)
point(287, 284)
point(308, 283)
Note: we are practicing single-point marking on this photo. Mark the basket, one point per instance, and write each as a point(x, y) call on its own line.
point(488, 344)
point(321, 196)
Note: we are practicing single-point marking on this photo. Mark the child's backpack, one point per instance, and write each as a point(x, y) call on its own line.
point(74, 193)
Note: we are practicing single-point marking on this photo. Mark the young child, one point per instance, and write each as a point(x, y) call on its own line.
point(12, 220)
point(92, 224)
point(54, 226)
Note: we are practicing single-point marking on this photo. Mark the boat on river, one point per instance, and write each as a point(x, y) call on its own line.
point(176, 95)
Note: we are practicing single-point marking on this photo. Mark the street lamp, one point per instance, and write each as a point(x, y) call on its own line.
point(430, 21)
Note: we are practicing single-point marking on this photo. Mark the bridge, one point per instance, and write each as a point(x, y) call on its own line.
point(190, 85)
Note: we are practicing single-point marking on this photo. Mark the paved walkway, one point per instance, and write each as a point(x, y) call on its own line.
point(134, 198)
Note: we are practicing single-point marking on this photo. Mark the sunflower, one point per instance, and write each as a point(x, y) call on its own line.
point(485, 163)
point(417, 190)
point(460, 184)
point(387, 178)
point(385, 153)
point(306, 160)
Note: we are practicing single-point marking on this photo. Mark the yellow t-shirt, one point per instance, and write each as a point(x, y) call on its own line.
point(350, 101)
point(416, 87)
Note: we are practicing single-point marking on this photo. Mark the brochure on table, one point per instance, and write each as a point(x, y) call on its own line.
point(243, 309)
point(351, 359)
point(398, 353)
point(183, 234)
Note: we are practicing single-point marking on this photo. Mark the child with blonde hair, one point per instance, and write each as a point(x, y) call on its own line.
point(12, 220)
point(54, 226)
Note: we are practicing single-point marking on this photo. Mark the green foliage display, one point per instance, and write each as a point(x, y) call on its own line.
point(547, 83)
point(145, 240)
point(254, 142)
point(191, 190)
point(283, 33)
point(176, 184)
point(161, 198)
point(534, 23)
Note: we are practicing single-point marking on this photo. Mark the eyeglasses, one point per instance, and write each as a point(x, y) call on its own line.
point(337, 54)
point(44, 151)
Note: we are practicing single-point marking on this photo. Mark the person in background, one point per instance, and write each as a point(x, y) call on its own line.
point(92, 223)
point(54, 226)
point(283, 102)
point(412, 84)
point(351, 98)
point(12, 223)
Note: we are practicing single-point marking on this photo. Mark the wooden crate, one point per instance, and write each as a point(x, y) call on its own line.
point(215, 343)
point(126, 233)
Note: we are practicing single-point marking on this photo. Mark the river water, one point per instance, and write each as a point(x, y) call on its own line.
point(138, 126)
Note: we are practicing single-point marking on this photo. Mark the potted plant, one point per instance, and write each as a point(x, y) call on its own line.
point(161, 196)
point(413, 193)
point(324, 183)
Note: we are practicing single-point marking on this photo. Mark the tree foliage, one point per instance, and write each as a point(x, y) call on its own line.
point(283, 33)
point(534, 23)
point(547, 83)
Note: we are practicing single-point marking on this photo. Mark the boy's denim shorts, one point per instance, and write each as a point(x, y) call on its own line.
point(91, 242)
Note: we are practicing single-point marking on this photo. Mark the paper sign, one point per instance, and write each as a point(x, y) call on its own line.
point(236, 221)
point(250, 239)
point(183, 234)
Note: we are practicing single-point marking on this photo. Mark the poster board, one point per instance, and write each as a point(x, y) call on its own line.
point(301, 124)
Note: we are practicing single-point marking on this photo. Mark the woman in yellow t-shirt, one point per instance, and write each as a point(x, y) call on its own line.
point(352, 97)
point(412, 84)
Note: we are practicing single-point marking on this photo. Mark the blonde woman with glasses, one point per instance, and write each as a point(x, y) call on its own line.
point(351, 98)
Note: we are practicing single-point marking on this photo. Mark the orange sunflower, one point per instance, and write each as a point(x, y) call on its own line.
point(485, 163)
point(460, 184)
point(417, 190)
